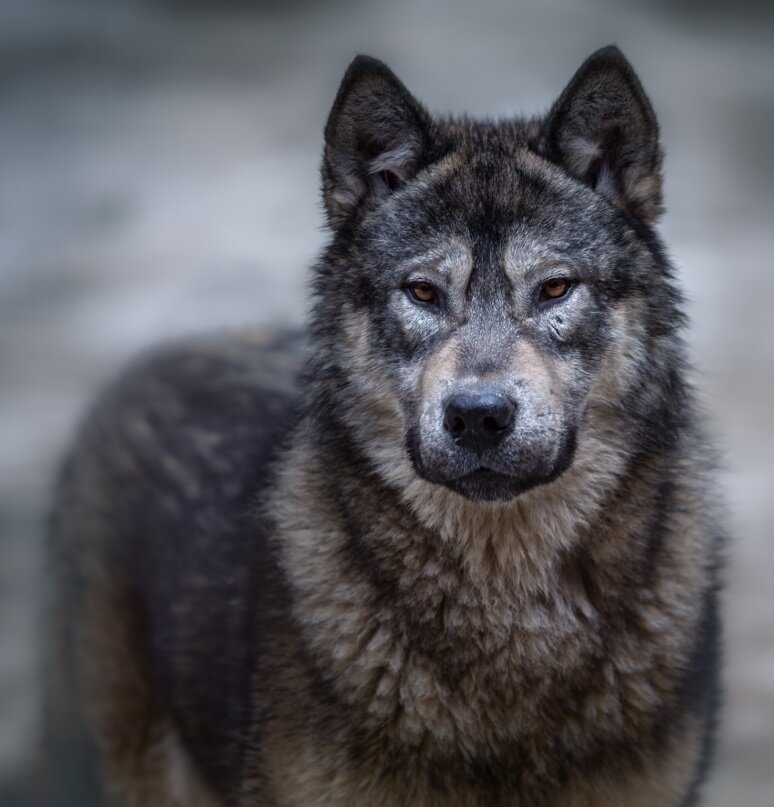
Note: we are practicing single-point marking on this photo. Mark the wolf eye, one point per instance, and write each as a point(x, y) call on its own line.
point(422, 291)
point(554, 289)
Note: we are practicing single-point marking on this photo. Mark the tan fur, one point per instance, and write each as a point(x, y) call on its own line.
point(513, 564)
point(144, 763)
point(506, 571)
point(183, 785)
point(310, 610)
point(661, 783)
point(663, 780)
point(517, 584)
point(440, 368)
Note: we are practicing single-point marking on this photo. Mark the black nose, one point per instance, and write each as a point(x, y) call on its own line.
point(478, 420)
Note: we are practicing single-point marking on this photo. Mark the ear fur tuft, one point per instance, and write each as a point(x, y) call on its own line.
point(376, 128)
point(603, 131)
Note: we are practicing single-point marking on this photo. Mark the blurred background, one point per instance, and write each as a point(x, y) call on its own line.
point(158, 176)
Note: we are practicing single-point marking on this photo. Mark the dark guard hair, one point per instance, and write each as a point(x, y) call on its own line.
point(603, 131)
point(472, 556)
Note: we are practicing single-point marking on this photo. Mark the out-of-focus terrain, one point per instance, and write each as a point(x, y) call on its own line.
point(158, 176)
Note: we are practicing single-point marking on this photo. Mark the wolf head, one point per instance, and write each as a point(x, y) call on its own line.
point(493, 296)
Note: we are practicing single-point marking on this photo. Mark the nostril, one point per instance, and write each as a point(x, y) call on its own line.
point(491, 425)
point(457, 425)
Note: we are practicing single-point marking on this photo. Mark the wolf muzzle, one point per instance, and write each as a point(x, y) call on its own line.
point(479, 420)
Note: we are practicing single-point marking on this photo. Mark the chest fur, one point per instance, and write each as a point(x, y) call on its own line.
point(502, 654)
point(457, 693)
point(433, 661)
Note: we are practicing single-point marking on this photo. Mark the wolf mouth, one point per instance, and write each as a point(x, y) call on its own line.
point(484, 484)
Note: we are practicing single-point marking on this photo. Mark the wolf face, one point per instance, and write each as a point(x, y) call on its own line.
point(488, 273)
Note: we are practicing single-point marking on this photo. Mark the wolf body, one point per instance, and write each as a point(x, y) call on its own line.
point(465, 552)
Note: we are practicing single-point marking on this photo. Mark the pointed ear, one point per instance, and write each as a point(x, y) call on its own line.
point(375, 137)
point(603, 131)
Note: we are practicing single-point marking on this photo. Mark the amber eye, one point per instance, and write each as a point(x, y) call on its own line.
point(423, 292)
point(555, 288)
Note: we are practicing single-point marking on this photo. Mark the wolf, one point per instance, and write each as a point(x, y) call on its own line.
point(458, 545)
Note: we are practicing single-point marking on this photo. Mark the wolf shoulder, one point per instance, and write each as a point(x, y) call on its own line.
point(193, 417)
point(158, 522)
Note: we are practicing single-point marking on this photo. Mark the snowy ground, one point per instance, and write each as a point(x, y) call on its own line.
point(158, 175)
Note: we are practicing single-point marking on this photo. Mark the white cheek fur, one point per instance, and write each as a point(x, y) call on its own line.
point(417, 321)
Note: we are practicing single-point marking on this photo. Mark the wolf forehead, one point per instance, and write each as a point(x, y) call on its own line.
point(485, 183)
point(498, 199)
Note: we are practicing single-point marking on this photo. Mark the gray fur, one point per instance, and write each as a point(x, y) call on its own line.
point(312, 592)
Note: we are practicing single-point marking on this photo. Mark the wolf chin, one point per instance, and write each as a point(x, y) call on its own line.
point(463, 548)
